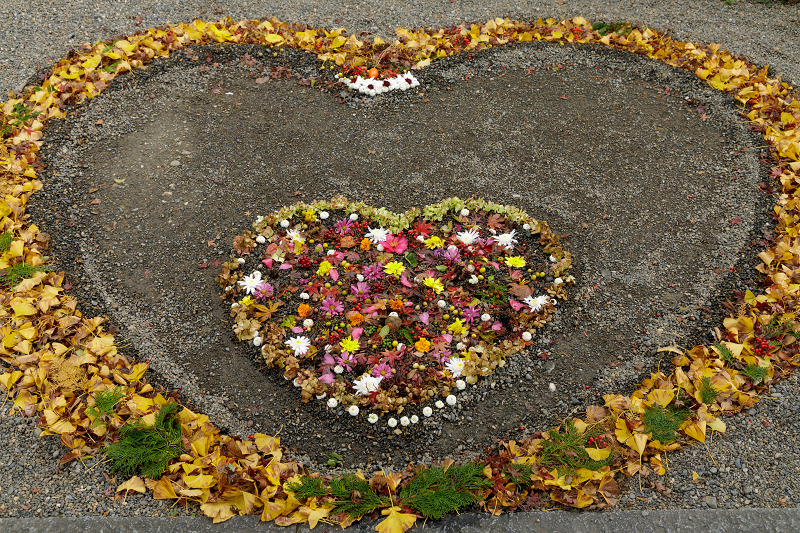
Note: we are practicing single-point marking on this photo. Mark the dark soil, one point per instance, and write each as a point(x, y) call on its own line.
point(645, 172)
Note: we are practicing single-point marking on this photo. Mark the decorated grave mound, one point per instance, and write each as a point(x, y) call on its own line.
point(575, 461)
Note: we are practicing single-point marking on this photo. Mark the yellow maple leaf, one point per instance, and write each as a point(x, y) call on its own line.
point(396, 522)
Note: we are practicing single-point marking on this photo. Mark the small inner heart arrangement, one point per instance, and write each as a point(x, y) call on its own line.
point(390, 315)
point(368, 309)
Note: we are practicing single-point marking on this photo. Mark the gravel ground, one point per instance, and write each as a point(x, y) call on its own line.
point(749, 467)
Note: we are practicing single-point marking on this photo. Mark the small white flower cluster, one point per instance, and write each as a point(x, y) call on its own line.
point(372, 87)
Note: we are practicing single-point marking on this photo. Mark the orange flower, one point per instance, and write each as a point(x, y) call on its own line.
point(356, 318)
point(365, 244)
point(423, 345)
point(304, 310)
point(396, 304)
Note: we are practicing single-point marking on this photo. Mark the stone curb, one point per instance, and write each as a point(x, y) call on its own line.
point(688, 520)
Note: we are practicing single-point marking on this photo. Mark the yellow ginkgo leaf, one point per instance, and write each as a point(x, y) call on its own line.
point(598, 454)
point(135, 484)
point(396, 522)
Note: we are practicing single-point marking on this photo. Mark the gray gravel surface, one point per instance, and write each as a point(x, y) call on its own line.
point(751, 466)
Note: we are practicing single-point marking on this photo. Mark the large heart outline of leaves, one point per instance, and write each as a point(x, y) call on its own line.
point(61, 356)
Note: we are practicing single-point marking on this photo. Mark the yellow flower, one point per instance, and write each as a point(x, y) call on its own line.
point(349, 345)
point(365, 244)
point(435, 284)
point(457, 327)
point(423, 345)
point(246, 301)
point(323, 269)
point(310, 215)
point(433, 242)
point(394, 268)
point(515, 262)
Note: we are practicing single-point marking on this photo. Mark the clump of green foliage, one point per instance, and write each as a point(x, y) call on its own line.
point(663, 422)
point(6, 238)
point(755, 373)
point(433, 492)
point(707, 391)
point(724, 352)
point(147, 449)
point(566, 449)
point(334, 460)
point(604, 28)
point(15, 273)
point(436, 491)
point(19, 116)
point(104, 403)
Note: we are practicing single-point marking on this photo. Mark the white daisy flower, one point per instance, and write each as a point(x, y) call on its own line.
point(558, 281)
point(367, 384)
point(380, 248)
point(257, 341)
point(338, 369)
point(461, 384)
point(372, 418)
point(526, 335)
point(465, 212)
point(451, 400)
point(414, 419)
point(324, 214)
point(404, 421)
point(240, 260)
point(284, 223)
point(261, 239)
point(294, 235)
point(392, 422)
point(420, 238)
point(506, 239)
point(332, 402)
point(249, 283)
point(307, 323)
point(468, 237)
point(353, 410)
point(526, 227)
point(331, 252)
point(537, 303)
point(439, 404)
point(442, 304)
point(376, 235)
point(354, 216)
point(359, 277)
point(427, 411)
point(394, 314)
point(299, 345)
point(304, 296)
point(474, 279)
point(455, 365)
point(486, 317)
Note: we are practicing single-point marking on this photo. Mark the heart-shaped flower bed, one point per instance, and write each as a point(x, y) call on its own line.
point(366, 308)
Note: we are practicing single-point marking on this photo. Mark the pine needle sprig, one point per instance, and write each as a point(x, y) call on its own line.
point(436, 491)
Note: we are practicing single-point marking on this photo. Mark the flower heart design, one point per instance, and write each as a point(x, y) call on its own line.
point(369, 309)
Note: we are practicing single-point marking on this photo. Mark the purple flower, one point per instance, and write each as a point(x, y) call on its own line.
point(360, 289)
point(264, 290)
point(373, 272)
point(344, 226)
point(471, 313)
point(452, 254)
point(332, 306)
point(347, 360)
point(382, 371)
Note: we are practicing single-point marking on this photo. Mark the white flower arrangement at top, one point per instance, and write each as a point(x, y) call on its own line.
point(373, 87)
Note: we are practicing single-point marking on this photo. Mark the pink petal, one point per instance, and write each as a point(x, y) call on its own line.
point(327, 378)
point(448, 338)
point(404, 281)
point(297, 329)
point(334, 274)
point(425, 318)
point(268, 262)
point(285, 266)
point(357, 333)
point(515, 305)
point(328, 359)
point(496, 326)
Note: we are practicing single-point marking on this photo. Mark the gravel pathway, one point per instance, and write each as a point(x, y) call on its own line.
point(749, 467)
